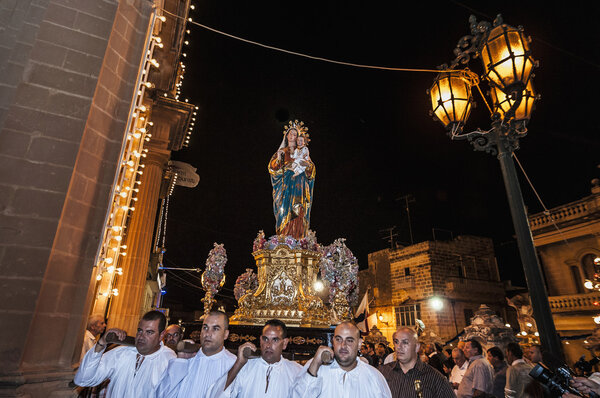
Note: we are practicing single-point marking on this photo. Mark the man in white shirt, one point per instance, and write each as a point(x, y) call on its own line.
point(270, 375)
point(95, 326)
point(477, 380)
point(518, 382)
point(346, 376)
point(133, 371)
point(460, 367)
point(193, 377)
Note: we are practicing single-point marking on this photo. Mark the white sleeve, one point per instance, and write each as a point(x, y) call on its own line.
point(95, 368)
point(168, 386)
point(383, 387)
point(216, 390)
point(307, 386)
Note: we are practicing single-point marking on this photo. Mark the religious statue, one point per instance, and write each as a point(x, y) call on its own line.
point(293, 178)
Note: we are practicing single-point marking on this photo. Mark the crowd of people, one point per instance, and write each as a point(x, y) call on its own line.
point(154, 367)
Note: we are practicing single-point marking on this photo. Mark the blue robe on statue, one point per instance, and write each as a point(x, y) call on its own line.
point(292, 196)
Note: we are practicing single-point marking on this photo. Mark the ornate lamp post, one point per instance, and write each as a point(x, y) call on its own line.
point(508, 64)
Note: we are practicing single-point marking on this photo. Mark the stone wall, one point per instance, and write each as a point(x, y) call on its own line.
point(462, 273)
point(67, 81)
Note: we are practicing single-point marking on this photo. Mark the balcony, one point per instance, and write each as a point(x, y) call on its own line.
point(575, 302)
point(564, 214)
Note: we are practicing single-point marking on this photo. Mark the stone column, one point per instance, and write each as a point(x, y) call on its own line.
point(125, 309)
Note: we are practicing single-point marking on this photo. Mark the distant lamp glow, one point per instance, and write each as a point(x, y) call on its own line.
point(597, 319)
point(318, 286)
point(536, 334)
point(529, 324)
point(507, 325)
point(451, 97)
point(380, 317)
point(523, 333)
point(506, 57)
point(436, 303)
point(597, 261)
point(588, 285)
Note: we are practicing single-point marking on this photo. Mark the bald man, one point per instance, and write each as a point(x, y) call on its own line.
point(173, 335)
point(95, 327)
point(346, 376)
point(408, 376)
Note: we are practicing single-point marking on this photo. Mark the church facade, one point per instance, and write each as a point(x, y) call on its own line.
point(567, 239)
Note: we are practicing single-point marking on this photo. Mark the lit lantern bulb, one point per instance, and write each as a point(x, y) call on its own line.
point(99, 277)
point(588, 285)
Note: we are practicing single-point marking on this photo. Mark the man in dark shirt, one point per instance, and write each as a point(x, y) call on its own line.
point(496, 358)
point(408, 377)
point(436, 359)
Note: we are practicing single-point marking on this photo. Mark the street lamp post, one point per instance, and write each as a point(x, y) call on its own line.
point(508, 66)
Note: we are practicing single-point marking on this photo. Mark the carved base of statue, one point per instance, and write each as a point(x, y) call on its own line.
point(341, 307)
point(287, 270)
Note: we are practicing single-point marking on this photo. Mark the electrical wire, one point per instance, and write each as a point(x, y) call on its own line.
point(301, 54)
point(546, 211)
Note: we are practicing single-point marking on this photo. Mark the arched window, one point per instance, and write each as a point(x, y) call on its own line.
point(587, 264)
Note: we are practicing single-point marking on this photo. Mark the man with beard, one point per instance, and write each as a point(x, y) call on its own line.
point(193, 377)
point(173, 335)
point(346, 376)
point(269, 375)
point(133, 371)
point(408, 376)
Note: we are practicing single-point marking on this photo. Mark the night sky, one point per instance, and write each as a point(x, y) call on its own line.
point(373, 140)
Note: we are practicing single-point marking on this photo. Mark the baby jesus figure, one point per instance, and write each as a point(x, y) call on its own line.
point(301, 156)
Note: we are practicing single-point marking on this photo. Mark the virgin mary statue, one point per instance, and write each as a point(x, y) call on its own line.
point(293, 178)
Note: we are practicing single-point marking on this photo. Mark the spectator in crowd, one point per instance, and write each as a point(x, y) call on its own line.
point(95, 326)
point(477, 380)
point(409, 376)
point(173, 335)
point(518, 382)
point(459, 369)
point(496, 358)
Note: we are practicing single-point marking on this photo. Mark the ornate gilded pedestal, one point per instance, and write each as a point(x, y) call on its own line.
point(286, 274)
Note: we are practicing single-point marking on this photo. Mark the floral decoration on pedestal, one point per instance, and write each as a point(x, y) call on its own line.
point(309, 242)
point(339, 267)
point(245, 283)
point(213, 276)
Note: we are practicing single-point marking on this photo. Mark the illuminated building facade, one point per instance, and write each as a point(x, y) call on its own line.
point(89, 116)
point(567, 239)
point(442, 283)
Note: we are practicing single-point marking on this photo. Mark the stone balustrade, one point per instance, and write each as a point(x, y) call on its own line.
point(558, 215)
point(575, 302)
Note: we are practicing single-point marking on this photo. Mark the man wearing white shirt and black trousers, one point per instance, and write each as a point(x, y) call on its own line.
point(346, 377)
point(133, 371)
point(269, 375)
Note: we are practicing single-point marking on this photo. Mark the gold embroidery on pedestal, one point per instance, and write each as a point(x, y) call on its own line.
point(285, 292)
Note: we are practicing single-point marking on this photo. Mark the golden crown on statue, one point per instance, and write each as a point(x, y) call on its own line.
point(299, 127)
